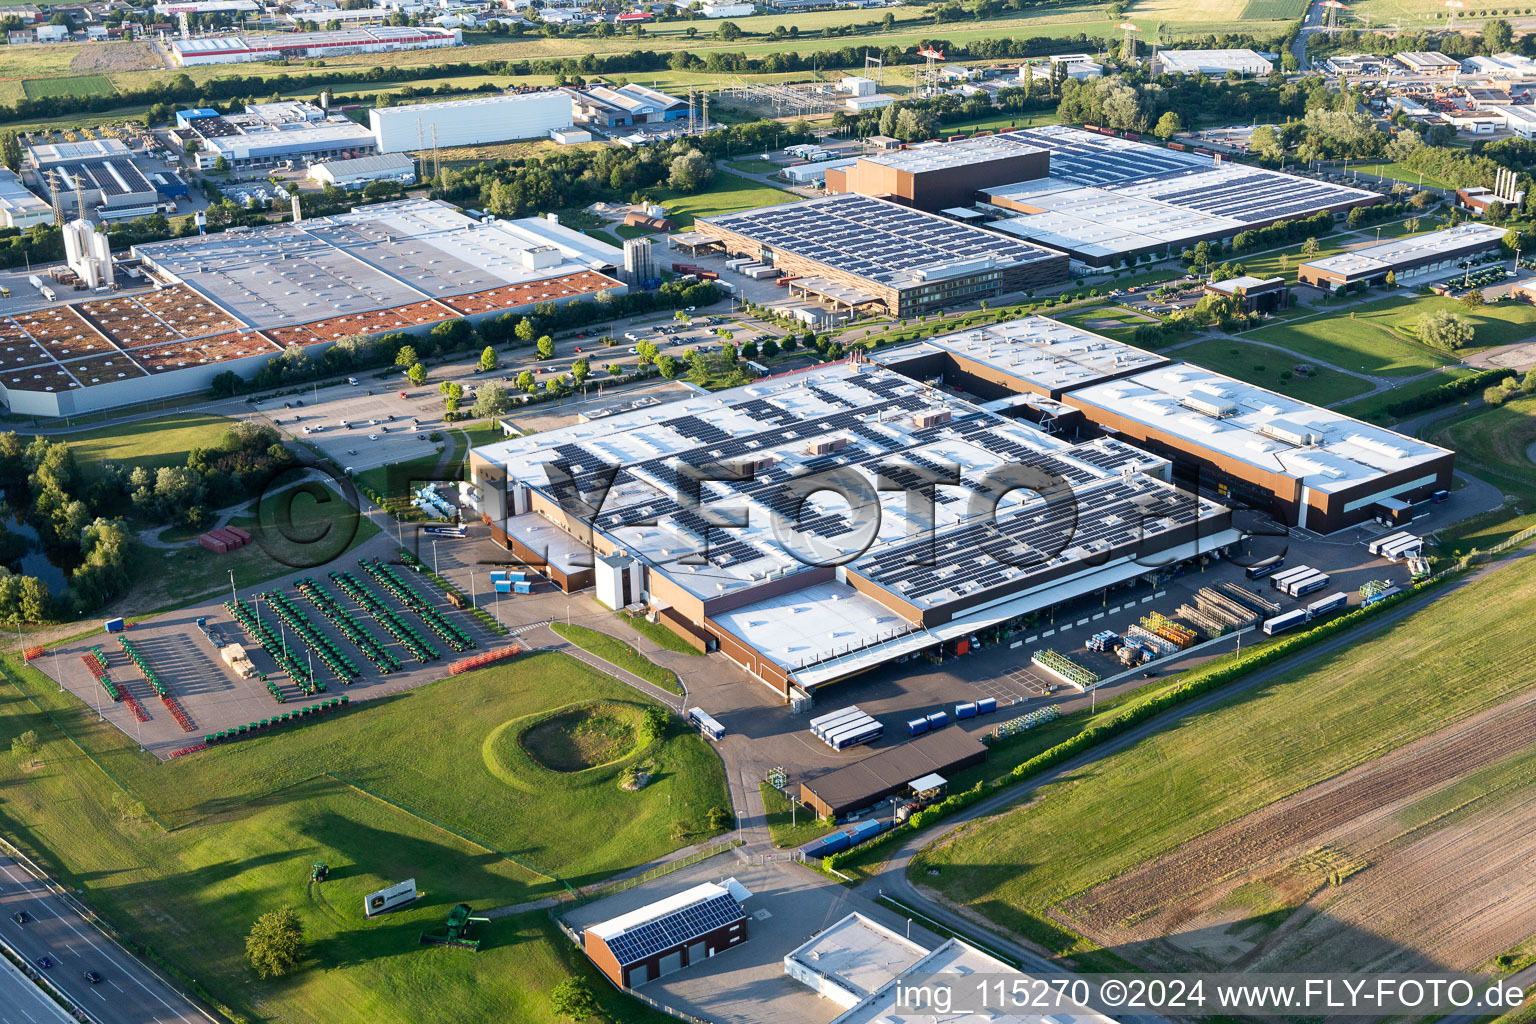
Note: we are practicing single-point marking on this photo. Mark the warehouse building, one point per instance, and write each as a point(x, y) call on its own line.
point(802, 588)
point(361, 170)
point(605, 106)
point(855, 252)
point(934, 176)
point(1309, 467)
point(1417, 259)
point(891, 772)
point(305, 45)
point(670, 934)
point(234, 300)
point(858, 963)
point(269, 135)
point(1214, 63)
point(470, 122)
point(109, 188)
point(1107, 200)
point(1432, 63)
point(1033, 354)
point(19, 207)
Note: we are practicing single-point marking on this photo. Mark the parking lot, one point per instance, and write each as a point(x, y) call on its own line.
point(379, 427)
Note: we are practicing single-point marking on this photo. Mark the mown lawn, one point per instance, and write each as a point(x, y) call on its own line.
point(250, 818)
point(1492, 443)
point(617, 652)
point(790, 826)
point(727, 193)
point(1374, 407)
point(1333, 713)
point(151, 443)
point(1264, 366)
point(1369, 341)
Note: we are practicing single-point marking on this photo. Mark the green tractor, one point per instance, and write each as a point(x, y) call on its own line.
point(319, 872)
point(457, 930)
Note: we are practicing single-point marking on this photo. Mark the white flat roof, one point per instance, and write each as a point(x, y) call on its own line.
point(1398, 251)
point(1194, 60)
point(1047, 353)
point(1246, 282)
point(1326, 450)
point(863, 959)
point(934, 156)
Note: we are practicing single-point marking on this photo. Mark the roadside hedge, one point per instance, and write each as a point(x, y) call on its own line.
point(1448, 392)
point(1193, 684)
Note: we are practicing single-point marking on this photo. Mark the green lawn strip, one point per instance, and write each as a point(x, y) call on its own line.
point(727, 193)
point(658, 634)
point(286, 534)
point(618, 653)
point(250, 818)
point(1481, 532)
point(151, 443)
point(1364, 339)
point(562, 825)
point(1327, 716)
point(790, 826)
point(1374, 407)
point(1492, 443)
point(1265, 367)
point(754, 166)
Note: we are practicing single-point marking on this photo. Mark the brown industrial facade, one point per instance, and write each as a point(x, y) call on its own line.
point(910, 300)
point(663, 961)
point(1290, 501)
point(1333, 280)
point(936, 188)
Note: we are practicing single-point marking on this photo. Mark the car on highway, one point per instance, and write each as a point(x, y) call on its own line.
point(91, 976)
point(351, 451)
point(352, 381)
point(21, 917)
point(45, 961)
point(634, 351)
point(373, 437)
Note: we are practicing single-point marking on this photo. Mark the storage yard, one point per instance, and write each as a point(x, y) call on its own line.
point(357, 630)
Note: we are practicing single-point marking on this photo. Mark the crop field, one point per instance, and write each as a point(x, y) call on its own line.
point(230, 833)
point(1496, 445)
point(75, 85)
point(1274, 10)
point(1267, 767)
point(1265, 367)
point(1367, 341)
point(36, 60)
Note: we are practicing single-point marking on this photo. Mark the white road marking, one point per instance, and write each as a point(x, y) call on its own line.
point(1082, 622)
point(1032, 639)
point(1114, 609)
point(1146, 600)
point(1098, 616)
point(1016, 643)
point(105, 946)
point(113, 984)
point(1049, 632)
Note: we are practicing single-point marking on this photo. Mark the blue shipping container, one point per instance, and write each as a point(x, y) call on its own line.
point(114, 625)
point(938, 720)
point(965, 711)
point(986, 705)
point(835, 842)
point(497, 575)
point(917, 726)
point(862, 830)
point(522, 588)
point(503, 586)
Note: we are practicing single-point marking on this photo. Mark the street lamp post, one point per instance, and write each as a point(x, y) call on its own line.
point(434, 559)
point(473, 598)
point(233, 597)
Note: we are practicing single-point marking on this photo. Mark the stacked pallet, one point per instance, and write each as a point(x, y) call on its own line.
point(224, 539)
point(1249, 599)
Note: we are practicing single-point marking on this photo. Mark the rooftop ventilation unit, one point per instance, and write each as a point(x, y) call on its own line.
point(1218, 408)
point(1291, 433)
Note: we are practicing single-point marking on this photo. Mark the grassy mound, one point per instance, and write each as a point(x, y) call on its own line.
point(583, 737)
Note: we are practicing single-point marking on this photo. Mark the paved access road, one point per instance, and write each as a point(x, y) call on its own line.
point(128, 993)
point(26, 1003)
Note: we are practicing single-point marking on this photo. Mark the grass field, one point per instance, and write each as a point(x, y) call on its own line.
point(727, 193)
point(617, 652)
point(1263, 366)
point(1333, 713)
point(1366, 338)
point(790, 826)
point(38, 60)
point(1274, 10)
point(658, 634)
point(151, 443)
point(76, 85)
point(248, 819)
point(1374, 407)
point(1492, 443)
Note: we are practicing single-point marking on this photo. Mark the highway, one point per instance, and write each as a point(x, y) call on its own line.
point(24, 1000)
point(128, 993)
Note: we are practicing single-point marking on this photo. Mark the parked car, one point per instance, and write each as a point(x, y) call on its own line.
point(373, 437)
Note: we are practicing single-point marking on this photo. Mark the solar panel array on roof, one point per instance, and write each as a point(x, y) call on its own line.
point(675, 929)
point(1256, 196)
point(874, 239)
point(1089, 159)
